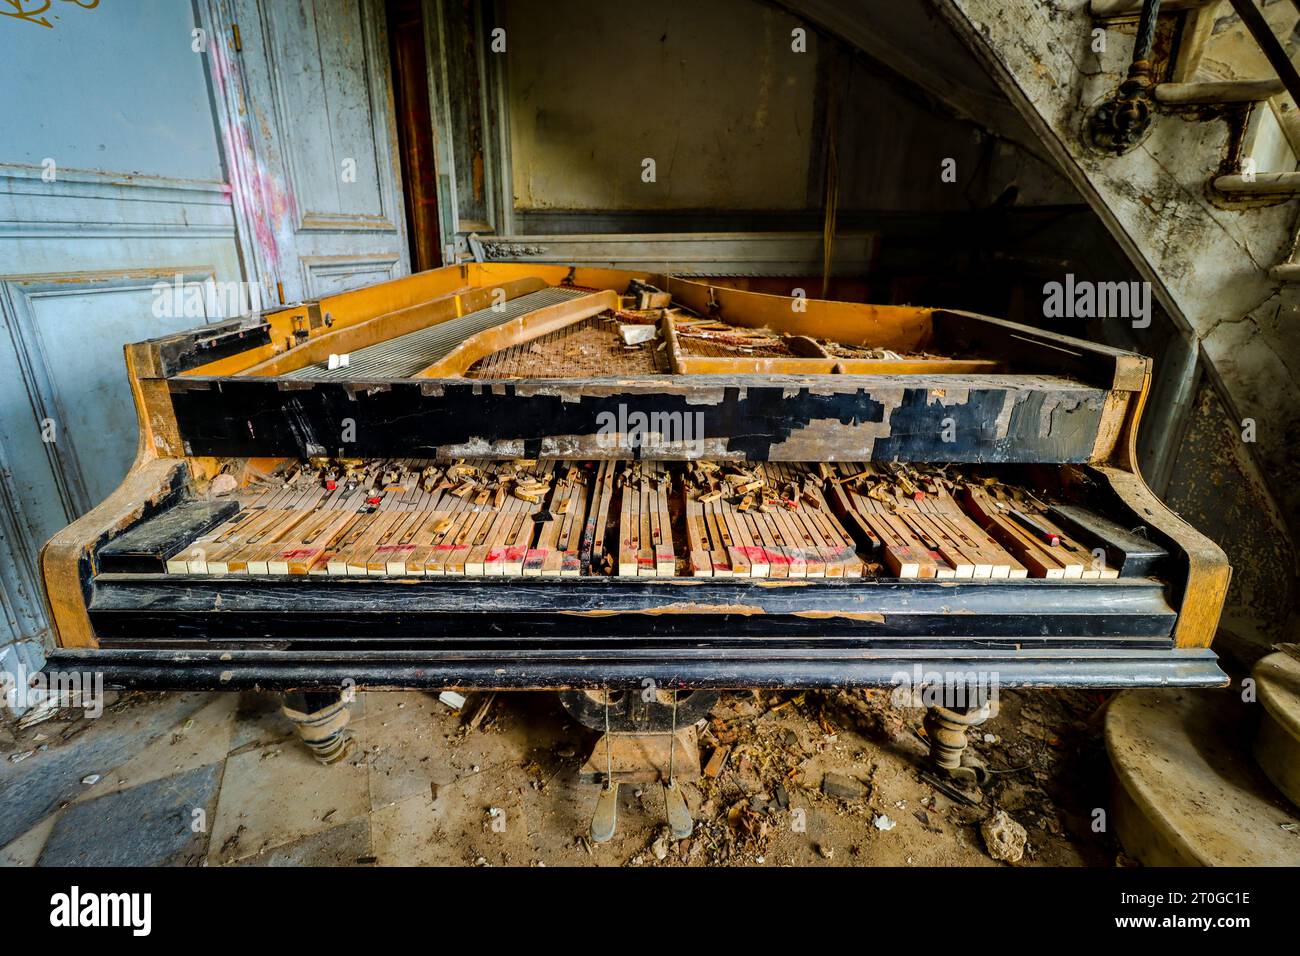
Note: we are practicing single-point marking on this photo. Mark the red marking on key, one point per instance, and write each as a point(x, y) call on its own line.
point(299, 553)
point(759, 555)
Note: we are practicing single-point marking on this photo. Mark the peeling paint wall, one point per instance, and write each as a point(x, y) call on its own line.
point(1213, 486)
point(111, 180)
point(1209, 264)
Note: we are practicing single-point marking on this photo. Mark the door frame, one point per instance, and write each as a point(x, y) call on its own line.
point(492, 103)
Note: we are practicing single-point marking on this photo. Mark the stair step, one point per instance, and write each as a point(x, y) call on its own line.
point(1168, 752)
point(1229, 91)
point(1115, 9)
point(1265, 184)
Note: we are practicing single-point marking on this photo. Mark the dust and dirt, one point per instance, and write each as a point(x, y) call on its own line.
point(810, 779)
point(787, 779)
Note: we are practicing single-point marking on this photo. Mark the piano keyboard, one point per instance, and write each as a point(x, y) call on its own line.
point(768, 520)
point(484, 518)
point(645, 540)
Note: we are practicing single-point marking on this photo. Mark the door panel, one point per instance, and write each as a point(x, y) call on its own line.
point(328, 275)
point(315, 81)
point(95, 423)
point(301, 73)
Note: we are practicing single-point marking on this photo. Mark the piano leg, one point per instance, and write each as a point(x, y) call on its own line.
point(321, 720)
point(946, 729)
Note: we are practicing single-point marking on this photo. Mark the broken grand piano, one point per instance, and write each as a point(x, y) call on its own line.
point(502, 476)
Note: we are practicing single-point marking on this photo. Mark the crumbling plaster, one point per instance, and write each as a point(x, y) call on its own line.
point(1208, 264)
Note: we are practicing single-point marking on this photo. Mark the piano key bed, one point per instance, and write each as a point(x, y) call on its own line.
point(620, 519)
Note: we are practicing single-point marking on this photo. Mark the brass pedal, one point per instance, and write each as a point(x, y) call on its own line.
point(605, 820)
point(679, 815)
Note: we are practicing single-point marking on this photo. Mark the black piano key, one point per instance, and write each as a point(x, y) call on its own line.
point(1129, 553)
point(146, 547)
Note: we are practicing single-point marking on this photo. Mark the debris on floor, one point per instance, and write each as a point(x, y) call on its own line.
point(1004, 838)
point(452, 699)
point(788, 778)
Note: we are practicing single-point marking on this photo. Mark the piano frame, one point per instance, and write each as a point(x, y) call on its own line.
point(1067, 412)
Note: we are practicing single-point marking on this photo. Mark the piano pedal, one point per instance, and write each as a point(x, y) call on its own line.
point(605, 820)
point(642, 759)
point(679, 815)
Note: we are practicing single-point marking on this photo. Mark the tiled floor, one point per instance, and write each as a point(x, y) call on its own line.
point(221, 779)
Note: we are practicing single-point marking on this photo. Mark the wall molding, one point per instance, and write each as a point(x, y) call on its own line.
point(65, 176)
point(719, 253)
point(20, 295)
point(95, 207)
point(19, 588)
point(75, 229)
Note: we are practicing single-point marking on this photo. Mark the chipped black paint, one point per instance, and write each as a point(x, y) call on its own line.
point(180, 353)
point(990, 418)
point(514, 613)
point(169, 669)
